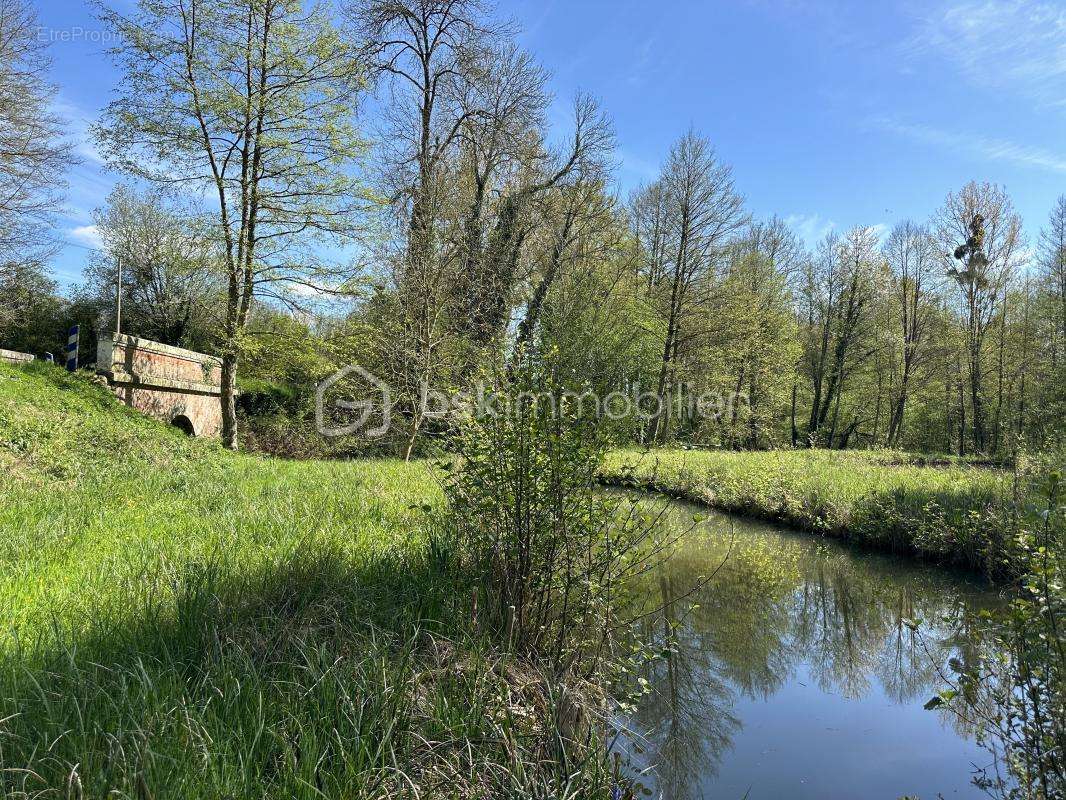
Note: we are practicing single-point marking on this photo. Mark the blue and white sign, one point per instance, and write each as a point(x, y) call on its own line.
point(72, 348)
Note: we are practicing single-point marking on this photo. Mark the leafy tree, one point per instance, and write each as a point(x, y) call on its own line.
point(756, 334)
point(979, 234)
point(171, 272)
point(839, 295)
point(31, 314)
point(33, 157)
point(701, 212)
point(1052, 266)
point(251, 101)
point(911, 255)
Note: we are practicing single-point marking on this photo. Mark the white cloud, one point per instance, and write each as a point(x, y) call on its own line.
point(87, 235)
point(998, 44)
point(811, 228)
point(304, 290)
point(79, 124)
point(643, 64)
point(994, 149)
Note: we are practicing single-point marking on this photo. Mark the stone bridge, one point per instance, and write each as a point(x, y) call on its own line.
point(178, 386)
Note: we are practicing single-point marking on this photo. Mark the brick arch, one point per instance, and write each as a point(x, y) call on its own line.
point(164, 382)
point(184, 424)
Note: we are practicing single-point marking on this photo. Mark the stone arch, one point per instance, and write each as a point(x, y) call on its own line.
point(164, 382)
point(184, 424)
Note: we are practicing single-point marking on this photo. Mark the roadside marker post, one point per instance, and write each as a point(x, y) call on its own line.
point(72, 348)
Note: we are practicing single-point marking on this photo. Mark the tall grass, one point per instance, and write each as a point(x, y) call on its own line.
point(179, 622)
point(953, 514)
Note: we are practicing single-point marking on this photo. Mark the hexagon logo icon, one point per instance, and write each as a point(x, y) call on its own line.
point(366, 408)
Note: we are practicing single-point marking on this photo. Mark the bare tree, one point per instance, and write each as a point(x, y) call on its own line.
point(581, 161)
point(429, 53)
point(1053, 272)
point(252, 102)
point(429, 56)
point(911, 255)
point(504, 108)
point(467, 169)
point(839, 295)
point(648, 215)
point(32, 156)
point(980, 238)
point(702, 213)
point(578, 220)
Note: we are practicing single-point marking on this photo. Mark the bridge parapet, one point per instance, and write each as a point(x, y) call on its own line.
point(13, 357)
point(178, 386)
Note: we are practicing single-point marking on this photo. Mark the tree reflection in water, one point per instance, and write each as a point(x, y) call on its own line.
point(780, 602)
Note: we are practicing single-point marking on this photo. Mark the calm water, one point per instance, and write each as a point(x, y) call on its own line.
point(795, 677)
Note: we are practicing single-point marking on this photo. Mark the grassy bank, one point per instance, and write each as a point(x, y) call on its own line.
point(954, 514)
point(179, 621)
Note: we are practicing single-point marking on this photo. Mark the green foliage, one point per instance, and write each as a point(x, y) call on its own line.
point(181, 621)
point(549, 550)
point(953, 514)
point(31, 314)
point(601, 331)
point(1013, 694)
point(170, 265)
point(752, 351)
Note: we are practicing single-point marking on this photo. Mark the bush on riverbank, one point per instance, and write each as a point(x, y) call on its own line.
point(1011, 691)
point(960, 515)
point(180, 621)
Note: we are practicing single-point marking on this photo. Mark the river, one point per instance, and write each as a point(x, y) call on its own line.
point(796, 675)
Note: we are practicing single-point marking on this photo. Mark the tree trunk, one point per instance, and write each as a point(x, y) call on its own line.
point(895, 422)
point(997, 419)
point(229, 401)
point(962, 418)
point(795, 433)
point(673, 322)
point(412, 439)
point(877, 408)
point(976, 405)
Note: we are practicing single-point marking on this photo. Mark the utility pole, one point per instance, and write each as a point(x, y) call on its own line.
point(118, 296)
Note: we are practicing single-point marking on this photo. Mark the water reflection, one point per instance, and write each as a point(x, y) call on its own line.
point(796, 646)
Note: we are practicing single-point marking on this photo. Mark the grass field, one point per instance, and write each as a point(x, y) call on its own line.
point(956, 513)
point(180, 621)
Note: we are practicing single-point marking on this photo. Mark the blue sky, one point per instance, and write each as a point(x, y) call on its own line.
point(832, 113)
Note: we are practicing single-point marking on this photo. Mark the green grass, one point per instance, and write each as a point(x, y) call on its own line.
point(954, 514)
point(180, 621)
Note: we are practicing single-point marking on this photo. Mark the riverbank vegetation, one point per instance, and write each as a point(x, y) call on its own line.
point(1011, 693)
point(955, 514)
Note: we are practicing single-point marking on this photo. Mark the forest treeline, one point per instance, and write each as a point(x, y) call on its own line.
point(309, 188)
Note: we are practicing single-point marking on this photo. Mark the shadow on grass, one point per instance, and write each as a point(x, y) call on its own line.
point(307, 678)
